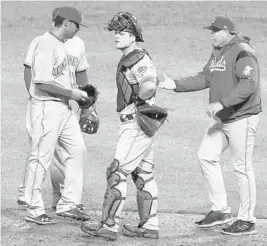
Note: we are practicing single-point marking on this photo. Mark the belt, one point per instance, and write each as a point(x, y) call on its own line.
point(126, 117)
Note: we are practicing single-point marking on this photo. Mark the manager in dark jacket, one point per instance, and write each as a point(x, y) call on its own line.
point(232, 75)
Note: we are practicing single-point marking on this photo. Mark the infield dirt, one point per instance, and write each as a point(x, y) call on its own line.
point(178, 44)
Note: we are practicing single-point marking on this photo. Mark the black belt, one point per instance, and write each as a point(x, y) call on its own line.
point(126, 117)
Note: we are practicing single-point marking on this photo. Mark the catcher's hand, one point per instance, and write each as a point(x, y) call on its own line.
point(150, 118)
point(92, 94)
point(89, 121)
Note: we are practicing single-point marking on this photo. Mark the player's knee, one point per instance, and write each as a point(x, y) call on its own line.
point(112, 168)
point(207, 158)
point(113, 174)
point(113, 179)
point(137, 179)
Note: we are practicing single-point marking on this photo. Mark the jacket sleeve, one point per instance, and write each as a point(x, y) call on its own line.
point(194, 83)
point(248, 76)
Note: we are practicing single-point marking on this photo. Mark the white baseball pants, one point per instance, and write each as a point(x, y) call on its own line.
point(57, 173)
point(239, 137)
point(53, 123)
point(134, 149)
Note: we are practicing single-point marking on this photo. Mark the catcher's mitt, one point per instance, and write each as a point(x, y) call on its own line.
point(89, 121)
point(92, 93)
point(150, 118)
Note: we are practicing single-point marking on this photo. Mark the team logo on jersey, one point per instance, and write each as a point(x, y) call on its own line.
point(247, 70)
point(141, 70)
point(59, 69)
point(219, 65)
point(68, 61)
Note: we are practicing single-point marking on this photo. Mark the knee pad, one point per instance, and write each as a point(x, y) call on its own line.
point(113, 174)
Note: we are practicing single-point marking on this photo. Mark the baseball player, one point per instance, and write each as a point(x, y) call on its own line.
point(232, 74)
point(75, 48)
point(52, 121)
point(136, 82)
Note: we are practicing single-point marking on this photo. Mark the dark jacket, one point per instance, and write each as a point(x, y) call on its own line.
point(232, 74)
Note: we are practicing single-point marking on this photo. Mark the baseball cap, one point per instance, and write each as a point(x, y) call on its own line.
point(54, 14)
point(222, 23)
point(70, 13)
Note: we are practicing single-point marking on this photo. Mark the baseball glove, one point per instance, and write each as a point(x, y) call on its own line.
point(89, 121)
point(92, 93)
point(150, 118)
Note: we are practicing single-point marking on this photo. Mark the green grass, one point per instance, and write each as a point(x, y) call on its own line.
point(179, 46)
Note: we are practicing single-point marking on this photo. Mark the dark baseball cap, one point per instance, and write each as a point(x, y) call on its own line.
point(222, 23)
point(54, 14)
point(70, 13)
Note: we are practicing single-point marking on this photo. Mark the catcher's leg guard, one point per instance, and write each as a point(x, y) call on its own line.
point(114, 198)
point(146, 196)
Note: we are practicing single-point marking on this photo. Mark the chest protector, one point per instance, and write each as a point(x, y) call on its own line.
point(127, 92)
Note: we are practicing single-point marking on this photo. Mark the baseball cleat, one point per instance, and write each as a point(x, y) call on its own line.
point(240, 227)
point(134, 231)
point(214, 218)
point(97, 230)
point(79, 206)
point(43, 219)
point(75, 213)
point(22, 203)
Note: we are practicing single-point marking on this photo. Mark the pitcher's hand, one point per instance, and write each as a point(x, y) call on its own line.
point(79, 95)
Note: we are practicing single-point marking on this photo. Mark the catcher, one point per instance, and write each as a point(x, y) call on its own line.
point(139, 122)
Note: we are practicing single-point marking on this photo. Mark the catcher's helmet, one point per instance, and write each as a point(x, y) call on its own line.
point(124, 21)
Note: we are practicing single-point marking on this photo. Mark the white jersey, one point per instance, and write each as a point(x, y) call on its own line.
point(53, 61)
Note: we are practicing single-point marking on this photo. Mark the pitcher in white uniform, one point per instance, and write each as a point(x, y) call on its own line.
point(75, 48)
point(52, 121)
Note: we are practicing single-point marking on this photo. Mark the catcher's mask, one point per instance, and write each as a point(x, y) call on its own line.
point(126, 22)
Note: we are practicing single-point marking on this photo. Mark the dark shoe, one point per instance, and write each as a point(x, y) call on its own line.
point(214, 218)
point(43, 219)
point(22, 203)
point(75, 213)
point(81, 206)
point(240, 227)
point(134, 231)
point(97, 230)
